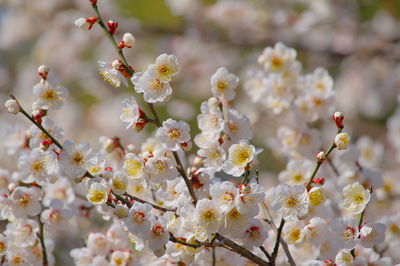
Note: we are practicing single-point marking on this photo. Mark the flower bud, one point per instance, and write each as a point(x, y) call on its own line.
point(321, 156)
point(198, 161)
point(117, 64)
point(214, 102)
point(127, 41)
point(121, 211)
point(43, 71)
point(11, 187)
point(342, 141)
point(107, 173)
point(12, 106)
point(319, 181)
point(329, 263)
point(85, 23)
point(344, 258)
point(112, 26)
point(109, 145)
point(93, 2)
point(338, 117)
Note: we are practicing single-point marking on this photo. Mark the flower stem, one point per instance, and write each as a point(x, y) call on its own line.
point(278, 240)
point(41, 237)
point(319, 163)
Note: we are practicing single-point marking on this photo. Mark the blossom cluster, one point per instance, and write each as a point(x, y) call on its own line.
point(163, 207)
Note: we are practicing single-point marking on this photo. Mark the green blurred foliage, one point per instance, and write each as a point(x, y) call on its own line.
point(156, 14)
point(368, 8)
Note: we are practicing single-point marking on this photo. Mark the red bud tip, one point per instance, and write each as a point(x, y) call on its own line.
point(112, 26)
point(329, 263)
point(319, 181)
point(338, 117)
point(93, 2)
point(321, 156)
point(91, 21)
point(109, 169)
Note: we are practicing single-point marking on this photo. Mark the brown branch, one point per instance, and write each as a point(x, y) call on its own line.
point(278, 240)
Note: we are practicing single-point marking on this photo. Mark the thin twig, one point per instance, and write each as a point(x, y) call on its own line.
point(319, 163)
point(41, 237)
point(335, 170)
point(277, 241)
point(144, 201)
point(38, 125)
point(265, 252)
point(241, 250)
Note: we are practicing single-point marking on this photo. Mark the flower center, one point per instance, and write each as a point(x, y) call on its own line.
point(49, 94)
point(24, 200)
point(348, 233)
point(161, 167)
point(292, 202)
point(138, 217)
point(174, 134)
point(222, 86)
point(157, 85)
point(276, 63)
point(78, 158)
point(158, 230)
point(96, 195)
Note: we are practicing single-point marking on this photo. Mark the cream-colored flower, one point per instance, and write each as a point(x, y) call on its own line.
point(356, 197)
point(240, 156)
point(97, 194)
point(165, 68)
point(342, 141)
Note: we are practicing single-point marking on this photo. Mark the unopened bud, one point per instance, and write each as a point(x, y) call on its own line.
point(12, 106)
point(85, 23)
point(112, 26)
point(121, 211)
point(321, 156)
point(198, 161)
point(214, 102)
point(329, 263)
point(127, 41)
point(43, 71)
point(107, 173)
point(109, 145)
point(338, 117)
point(11, 187)
point(117, 64)
point(93, 2)
point(319, 181)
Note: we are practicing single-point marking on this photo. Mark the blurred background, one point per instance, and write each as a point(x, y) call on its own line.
point(357, 41)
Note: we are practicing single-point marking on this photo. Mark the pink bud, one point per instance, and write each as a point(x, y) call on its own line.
point(338, 117)
point(319, 181)
point(321, 156)
point(112, 26)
